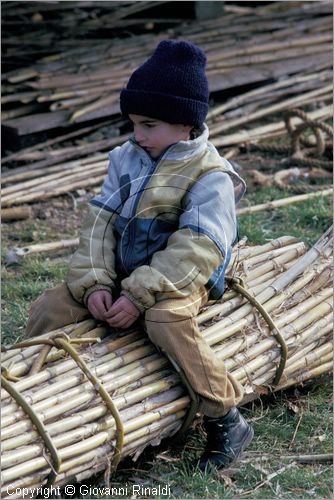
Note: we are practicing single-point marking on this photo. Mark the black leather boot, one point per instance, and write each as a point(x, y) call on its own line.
point(227, 436)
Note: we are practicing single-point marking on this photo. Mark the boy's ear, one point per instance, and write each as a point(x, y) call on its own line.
point(187, 128)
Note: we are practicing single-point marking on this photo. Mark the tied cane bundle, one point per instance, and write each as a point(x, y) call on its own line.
point(76, 401)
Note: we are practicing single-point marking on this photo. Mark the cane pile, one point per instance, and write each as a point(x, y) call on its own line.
point(147, 399)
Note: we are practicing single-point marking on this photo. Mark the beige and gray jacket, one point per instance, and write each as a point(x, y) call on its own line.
point(159, 228)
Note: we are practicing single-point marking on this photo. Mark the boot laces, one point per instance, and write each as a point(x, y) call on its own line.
point(224, 445)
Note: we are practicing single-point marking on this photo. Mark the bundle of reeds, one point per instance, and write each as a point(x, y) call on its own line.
point(149, 399)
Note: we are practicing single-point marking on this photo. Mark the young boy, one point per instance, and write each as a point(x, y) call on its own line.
point(157, 240)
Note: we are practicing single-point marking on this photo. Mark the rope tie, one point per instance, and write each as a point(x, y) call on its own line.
point(62, 341)
point(315, 124)
point(37, 422)
point(98, 386)
point(238, 285)
point(6, 373)
point(297, 155)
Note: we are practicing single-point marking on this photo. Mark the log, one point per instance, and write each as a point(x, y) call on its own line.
point(15, 213)
point(49, 247)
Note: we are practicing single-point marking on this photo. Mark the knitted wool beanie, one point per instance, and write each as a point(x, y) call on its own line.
point(170, 86)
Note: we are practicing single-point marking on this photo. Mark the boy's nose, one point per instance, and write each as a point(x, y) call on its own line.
point(140, 138)
point(139, 135)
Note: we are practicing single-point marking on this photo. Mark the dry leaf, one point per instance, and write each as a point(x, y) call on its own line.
point(227, 476)
point(260, 389)
point(167, 458)
point(293, 407)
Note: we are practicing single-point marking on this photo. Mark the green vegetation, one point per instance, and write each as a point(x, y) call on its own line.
point(306, 220)
point(32, 275)
point(20, 286)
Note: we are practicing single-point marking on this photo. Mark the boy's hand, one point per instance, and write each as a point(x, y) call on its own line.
point(122, 313)
point(98, 303)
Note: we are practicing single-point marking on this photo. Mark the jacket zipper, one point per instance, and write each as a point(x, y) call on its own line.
point(141, 189)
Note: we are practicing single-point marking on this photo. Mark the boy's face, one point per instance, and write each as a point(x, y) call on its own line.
point(155, 136)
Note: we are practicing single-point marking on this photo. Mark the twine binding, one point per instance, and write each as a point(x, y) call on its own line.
point(238, 285)
point(62, 341)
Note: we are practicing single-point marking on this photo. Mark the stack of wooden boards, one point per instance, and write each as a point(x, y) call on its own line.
point(262, 61)
point(289, 43)
point(293, 284)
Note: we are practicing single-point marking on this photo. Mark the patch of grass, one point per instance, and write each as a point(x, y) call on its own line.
point(305, 220)
point(21, 286)
point(31, 231)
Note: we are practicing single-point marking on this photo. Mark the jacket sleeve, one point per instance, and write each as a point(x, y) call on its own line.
point(207, 229)
point(92, 266)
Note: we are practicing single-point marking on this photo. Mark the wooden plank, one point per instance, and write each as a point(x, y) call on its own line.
point(36, 123)
point(245, 75)
point(46, 121)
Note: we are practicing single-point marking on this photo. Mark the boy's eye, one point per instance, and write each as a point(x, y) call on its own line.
point(149, 125)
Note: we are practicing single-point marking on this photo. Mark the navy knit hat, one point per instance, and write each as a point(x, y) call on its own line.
point(170, 86)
